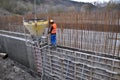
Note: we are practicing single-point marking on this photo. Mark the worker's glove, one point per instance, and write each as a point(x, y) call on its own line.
point(48, 32)
point(48, 35)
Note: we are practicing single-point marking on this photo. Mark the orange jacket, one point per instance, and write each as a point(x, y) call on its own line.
point(54, 28)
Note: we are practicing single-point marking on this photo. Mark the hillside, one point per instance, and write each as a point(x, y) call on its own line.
point(8, 7)
point(21, 7)
point(62, 6)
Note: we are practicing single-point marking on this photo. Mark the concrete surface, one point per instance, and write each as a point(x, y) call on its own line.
point(15, 45)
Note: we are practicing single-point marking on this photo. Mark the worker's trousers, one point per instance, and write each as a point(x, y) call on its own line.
point(53, 39)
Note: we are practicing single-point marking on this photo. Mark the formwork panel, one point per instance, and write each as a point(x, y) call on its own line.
point(67, 64)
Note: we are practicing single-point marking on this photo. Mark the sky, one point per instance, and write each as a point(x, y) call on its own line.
point(91, 0)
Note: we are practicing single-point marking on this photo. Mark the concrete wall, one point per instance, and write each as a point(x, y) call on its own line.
point(15, 45)
point(61, 63)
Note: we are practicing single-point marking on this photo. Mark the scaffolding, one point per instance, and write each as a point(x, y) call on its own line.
point(88, 45)
point(67, 64)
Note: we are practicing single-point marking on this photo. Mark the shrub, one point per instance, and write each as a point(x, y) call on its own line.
point(112, 6)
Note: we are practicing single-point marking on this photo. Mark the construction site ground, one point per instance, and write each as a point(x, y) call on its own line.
point(9, 71)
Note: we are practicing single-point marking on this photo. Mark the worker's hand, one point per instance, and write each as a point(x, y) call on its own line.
point(48, 35)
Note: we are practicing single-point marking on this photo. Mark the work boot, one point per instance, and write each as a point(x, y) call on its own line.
point(54, 47)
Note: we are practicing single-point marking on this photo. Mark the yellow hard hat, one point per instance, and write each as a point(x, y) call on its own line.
point(51, 20)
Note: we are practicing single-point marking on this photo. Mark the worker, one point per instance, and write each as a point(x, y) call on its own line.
point(52, 31)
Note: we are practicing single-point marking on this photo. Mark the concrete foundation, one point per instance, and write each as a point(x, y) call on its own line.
point(60, 63)
point(15, 45)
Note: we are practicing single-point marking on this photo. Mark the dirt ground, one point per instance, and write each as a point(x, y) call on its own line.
point(8, 71)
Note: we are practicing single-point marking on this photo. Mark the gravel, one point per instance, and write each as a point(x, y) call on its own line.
point(9, 70)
